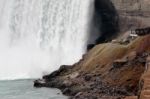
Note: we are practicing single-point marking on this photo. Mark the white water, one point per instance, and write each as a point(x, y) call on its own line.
point(37, 36)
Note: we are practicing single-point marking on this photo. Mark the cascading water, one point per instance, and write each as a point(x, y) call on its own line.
point(37, 36)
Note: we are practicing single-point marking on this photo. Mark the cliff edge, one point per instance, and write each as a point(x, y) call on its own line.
point(108, 71)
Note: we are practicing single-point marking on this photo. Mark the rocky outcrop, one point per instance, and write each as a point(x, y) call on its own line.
point(108, 71)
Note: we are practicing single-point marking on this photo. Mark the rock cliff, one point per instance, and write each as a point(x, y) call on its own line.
point(133, 13)
point(108, 71)
point(112, 70)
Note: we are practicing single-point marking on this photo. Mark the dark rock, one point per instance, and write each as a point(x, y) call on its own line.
point(90, 46)
point(87, 77)
point(142, 31)
point(119, 63)
point(106, 20)
point(62, 69)
point(67, 91)
point(39, 83)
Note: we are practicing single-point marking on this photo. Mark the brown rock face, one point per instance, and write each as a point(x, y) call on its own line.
point(131, 97)
point(145, 82)
point(108, 71)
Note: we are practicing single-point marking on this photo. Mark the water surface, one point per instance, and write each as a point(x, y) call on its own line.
point(23, 89)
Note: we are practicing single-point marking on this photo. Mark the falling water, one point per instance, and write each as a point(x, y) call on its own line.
point(37, 36)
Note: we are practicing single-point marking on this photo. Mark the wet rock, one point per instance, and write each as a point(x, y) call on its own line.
point(62, 69)
point(69, 91)
point(66, 91)
point(39, 83)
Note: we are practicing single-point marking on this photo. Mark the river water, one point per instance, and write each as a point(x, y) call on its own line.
point(23, 89)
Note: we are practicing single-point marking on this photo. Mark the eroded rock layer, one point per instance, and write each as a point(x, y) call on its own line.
point(108, 71)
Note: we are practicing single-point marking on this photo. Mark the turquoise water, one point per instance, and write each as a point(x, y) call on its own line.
point(23, 89)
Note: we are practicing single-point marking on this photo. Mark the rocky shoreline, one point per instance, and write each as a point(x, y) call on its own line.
point(107, 71)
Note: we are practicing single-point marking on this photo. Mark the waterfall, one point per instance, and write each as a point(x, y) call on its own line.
point(37, 36)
